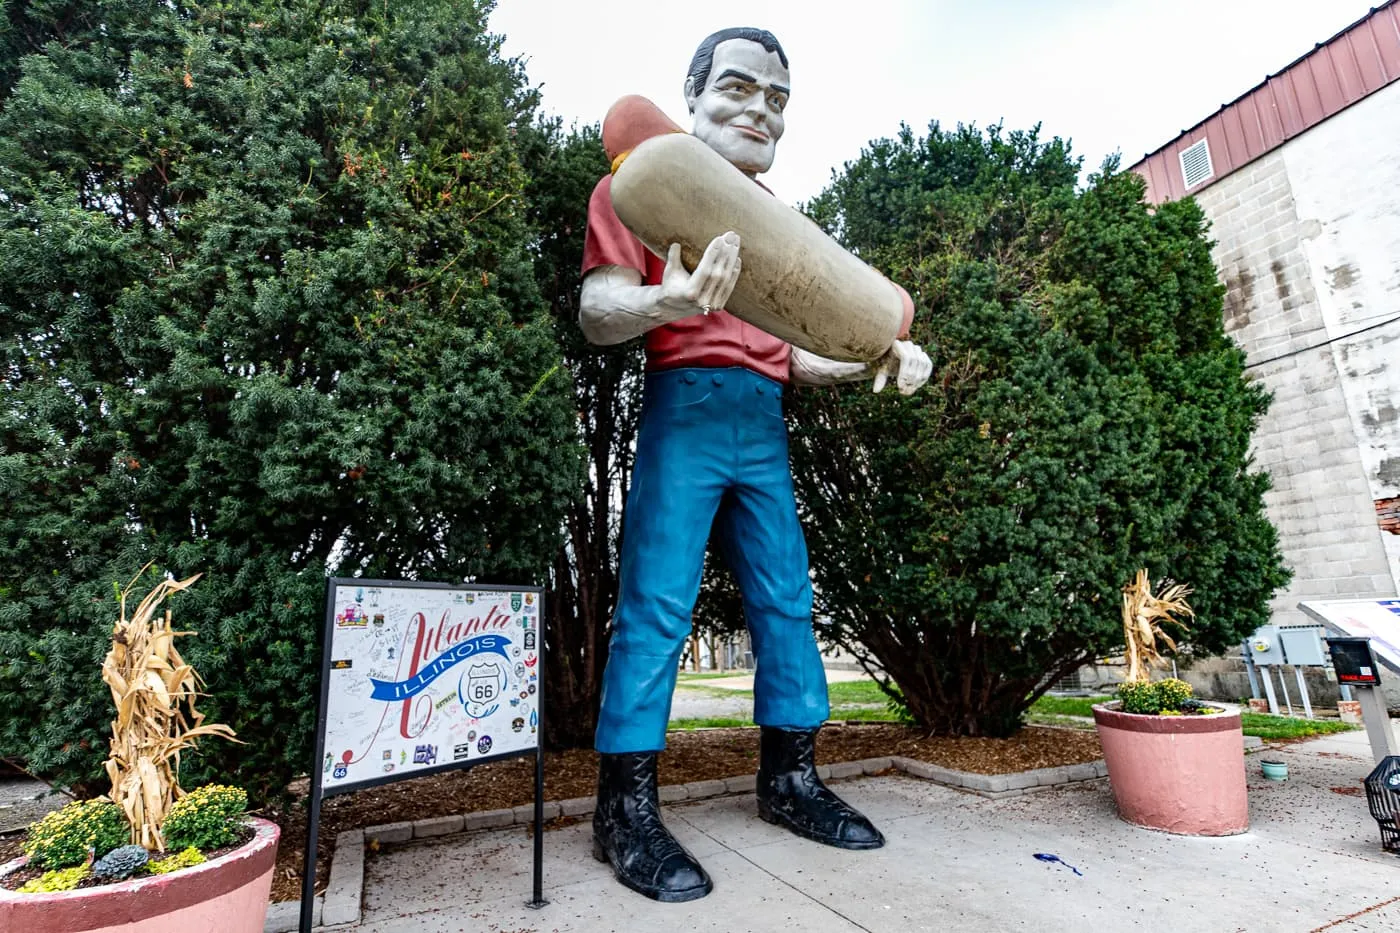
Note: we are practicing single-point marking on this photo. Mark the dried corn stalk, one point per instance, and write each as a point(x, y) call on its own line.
point(154, 691)
point(1141, 614)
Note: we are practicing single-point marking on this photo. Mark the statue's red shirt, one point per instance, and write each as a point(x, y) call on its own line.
point(716, 339)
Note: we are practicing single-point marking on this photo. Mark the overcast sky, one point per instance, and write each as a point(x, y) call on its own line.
point(1111, 75)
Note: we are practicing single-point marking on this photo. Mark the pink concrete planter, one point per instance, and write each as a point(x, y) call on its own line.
point(1179, 774)
point(225, 895)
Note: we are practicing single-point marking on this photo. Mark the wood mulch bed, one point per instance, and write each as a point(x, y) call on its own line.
point(701, 755)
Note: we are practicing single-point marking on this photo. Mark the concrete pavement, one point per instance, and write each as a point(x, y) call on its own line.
point(24, 800)
point(955, 861)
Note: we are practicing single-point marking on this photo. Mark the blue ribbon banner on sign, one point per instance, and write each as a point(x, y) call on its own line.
point(405, 689)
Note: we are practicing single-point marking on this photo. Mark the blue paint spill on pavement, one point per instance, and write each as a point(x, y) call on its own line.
point(1047, 857)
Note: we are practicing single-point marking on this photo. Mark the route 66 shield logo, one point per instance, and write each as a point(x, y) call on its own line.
point(480, 689)
point(515, 602)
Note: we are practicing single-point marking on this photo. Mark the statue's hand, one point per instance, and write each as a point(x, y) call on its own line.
point(909, 365)
point(709, 286)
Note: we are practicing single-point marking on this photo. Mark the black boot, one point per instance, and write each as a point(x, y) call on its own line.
point(627, 831)
point(791, 794)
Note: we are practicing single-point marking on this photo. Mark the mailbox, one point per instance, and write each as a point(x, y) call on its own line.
point(1354, 662)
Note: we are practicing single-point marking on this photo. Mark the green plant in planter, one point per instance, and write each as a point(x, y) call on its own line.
point(63, 838)
point(1139, 697)
point(121, 863)
point(154, 692)
point(207, 818)
point(62, 879)
point(185, 858)
point(1175, 694)
point(1168, 697)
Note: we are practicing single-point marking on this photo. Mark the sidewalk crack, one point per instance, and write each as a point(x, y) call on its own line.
point(1359, 913)
point(782, 881)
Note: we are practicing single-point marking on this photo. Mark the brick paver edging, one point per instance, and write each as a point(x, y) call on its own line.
point(345, 890)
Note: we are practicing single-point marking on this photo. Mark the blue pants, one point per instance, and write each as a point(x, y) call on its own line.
point(711, 450)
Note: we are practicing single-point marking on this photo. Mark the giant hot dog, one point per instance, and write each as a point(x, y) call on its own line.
point(797, 283)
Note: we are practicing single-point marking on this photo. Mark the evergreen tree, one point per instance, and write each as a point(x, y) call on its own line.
point(1087, 416)
point(267, 311)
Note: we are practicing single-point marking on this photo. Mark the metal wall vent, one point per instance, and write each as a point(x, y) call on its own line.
point(1195, 164)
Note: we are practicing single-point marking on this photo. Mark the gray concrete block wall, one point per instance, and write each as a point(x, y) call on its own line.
point(1345, 177)
point(1320, 503)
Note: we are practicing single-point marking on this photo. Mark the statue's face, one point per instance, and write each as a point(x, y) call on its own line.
point(739, 112)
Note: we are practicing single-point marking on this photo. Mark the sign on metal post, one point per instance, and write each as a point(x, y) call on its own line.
point(1356, 666)
point(418, 678)
point(1354, 662)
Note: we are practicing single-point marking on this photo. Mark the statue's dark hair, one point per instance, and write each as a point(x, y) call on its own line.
point(699, 72)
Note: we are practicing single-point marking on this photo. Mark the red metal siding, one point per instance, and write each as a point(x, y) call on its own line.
point(1232, 122)
point(1386, 37)
point(1252, 123)
point(1358, 61)
point(1369, 66)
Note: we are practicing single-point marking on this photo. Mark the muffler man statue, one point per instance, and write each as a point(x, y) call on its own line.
point(712, 452)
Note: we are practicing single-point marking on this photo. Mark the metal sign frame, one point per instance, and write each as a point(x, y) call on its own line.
point(319, 791)
point(1386, 652)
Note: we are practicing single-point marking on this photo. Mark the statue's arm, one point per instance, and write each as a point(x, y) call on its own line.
point(905, 361)
point(807, 369)
point(615, 306)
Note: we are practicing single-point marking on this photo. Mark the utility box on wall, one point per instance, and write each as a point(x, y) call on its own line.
point(1265, 646)
point(1303, 645)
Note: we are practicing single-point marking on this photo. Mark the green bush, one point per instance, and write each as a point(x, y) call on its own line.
point(62, 838)
point(1087, 416)
point(206, 818)
point(63, 879)
point(1163, 697)
point(267, 311)
point(185, 858)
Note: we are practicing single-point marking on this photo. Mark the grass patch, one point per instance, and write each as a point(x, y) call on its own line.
point(1282, 727)
point(1049, 709)
point(1262, 725)
point(1066, 706)
point(864, 701)
point(838, 713)
point(845, 694)
point(862, 713)
point(708, 722)
point(702, 689)
point(856, 691)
